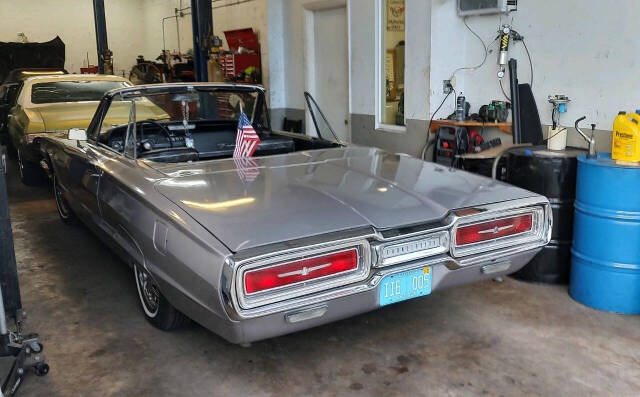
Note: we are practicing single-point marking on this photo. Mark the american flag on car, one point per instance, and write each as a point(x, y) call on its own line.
point(247, 140)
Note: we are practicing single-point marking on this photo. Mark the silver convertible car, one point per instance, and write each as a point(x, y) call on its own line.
point(307, 231)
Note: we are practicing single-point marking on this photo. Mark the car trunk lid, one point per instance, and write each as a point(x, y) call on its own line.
point(280, 198)
point(63, 116)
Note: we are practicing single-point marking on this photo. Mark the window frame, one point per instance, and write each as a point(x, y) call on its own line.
point(380, 55)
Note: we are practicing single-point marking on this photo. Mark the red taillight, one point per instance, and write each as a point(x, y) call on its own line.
point(298, 271)
point(493, 229)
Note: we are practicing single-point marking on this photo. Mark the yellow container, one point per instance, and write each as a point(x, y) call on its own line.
point(625, 144)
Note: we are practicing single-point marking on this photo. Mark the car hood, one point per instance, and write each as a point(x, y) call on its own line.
point(280, 198)
point(62, 116)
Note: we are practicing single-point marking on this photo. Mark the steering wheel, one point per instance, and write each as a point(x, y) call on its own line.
point(164, 130)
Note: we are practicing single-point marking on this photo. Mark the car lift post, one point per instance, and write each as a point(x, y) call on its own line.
point(26, 349)
point(105, 56)
point(202, 20)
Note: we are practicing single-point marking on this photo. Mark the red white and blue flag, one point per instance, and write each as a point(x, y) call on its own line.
point(247, 140)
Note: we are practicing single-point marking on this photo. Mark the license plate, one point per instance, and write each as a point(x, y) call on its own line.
point(405, 285)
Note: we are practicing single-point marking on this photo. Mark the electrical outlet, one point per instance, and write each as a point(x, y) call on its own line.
point(446, 86)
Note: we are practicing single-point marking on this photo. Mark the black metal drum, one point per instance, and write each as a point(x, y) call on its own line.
point(552, 174)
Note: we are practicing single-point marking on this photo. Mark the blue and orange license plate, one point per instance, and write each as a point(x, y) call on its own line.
point(405, 285)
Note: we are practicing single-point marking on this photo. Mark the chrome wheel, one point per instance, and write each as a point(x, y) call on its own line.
point(147, 291)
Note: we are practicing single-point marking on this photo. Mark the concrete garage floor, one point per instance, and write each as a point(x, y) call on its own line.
point(494, 339)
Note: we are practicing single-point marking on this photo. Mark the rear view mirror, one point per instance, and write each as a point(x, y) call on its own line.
point(77, 134)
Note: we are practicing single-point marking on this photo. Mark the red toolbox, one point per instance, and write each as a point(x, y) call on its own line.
point(245, 49)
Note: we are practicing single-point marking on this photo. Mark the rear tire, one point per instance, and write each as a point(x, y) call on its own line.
point(30, 173)
point(64, 211)
point(156, 308)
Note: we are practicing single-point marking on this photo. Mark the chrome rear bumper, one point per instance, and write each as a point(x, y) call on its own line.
point(339, 303)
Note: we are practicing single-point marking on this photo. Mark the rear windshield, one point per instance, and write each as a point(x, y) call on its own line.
point(72, 91)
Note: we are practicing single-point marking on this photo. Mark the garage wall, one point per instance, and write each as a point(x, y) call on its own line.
point(584, 49)
point(286, 19)
point(286, 43)
point(134, 27)
point(154, 12)
point(42, 20)
point(227, 15)
point(417, 72)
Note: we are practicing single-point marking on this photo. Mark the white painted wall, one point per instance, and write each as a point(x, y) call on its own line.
point(227, 15)
point(331, 68)
point(277, 48)
point(586, 49)
point(418, 60)
point(123, 26)
point(286, 43)
point(134, 27)
point(363, 46)
point(363, 49)
point(287, 48)
point(448, 52)
point(252, 14)
point(42, 20)
point(154, 12)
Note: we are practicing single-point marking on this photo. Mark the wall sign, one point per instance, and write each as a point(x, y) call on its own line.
point(395, 15)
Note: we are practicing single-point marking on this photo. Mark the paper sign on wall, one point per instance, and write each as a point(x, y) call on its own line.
point(395, 15)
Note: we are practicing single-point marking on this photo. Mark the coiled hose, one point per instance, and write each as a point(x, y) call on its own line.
point(494, 168)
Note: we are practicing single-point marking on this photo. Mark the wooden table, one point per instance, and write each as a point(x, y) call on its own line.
point(504, 127)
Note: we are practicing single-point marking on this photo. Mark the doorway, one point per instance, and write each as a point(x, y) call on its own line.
point(327, 66)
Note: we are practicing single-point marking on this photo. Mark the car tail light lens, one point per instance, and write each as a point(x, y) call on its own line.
point(299, 271)
point(491, 230)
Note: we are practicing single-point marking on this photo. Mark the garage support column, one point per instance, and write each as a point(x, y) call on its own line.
point(105, 64)
point(202, 20)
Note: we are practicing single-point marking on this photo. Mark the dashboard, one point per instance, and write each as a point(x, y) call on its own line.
point(154, 138)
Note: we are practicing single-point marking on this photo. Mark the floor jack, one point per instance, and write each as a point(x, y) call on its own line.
point(25, 349)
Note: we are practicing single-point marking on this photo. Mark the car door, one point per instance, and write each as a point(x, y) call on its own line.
point(79, 167)
point(4, 106)
point(8, 96)
point(85, 167)
point(122, 211)
point(16, 119)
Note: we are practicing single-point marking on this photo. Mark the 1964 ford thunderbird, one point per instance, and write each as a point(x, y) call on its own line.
point(306, 232)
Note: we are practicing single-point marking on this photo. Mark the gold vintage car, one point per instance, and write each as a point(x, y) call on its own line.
point(49, 104)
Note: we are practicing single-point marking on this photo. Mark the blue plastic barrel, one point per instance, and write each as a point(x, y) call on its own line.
point(605, 262)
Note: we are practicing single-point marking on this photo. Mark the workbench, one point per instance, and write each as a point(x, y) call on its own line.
point(505, 127)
